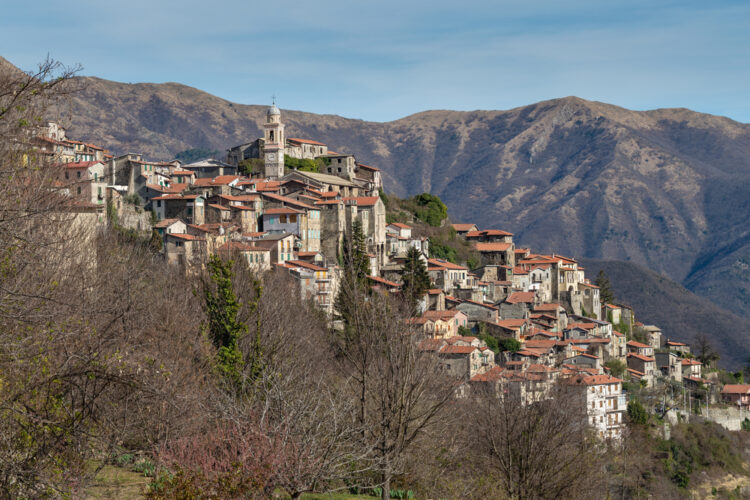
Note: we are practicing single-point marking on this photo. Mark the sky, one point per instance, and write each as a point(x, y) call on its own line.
point(383, 60)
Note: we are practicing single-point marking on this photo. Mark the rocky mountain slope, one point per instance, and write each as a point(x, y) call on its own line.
point(667, 189)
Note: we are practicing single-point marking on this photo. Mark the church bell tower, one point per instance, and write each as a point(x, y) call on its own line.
point(273, 148)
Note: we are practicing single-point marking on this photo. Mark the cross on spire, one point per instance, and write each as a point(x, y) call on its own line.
point(273, 99)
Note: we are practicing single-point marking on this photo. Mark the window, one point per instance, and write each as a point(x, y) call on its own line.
point(96, 176)
point(79, 174)
point(67, 176)
point(293, 218)
point(158, 203)
point(282, 219)
point(78, 189)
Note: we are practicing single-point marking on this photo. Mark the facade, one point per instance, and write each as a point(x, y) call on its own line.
point(273, 149)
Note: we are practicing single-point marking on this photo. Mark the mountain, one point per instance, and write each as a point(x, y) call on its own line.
point(681, 314)
point(667, 189)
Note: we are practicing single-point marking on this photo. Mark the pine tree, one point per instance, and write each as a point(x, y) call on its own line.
point(415, 279)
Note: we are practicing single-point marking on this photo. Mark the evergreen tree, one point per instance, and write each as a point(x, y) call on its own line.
point(606, 295)
point(356, 267)
point(225, 329)
point(415, 279)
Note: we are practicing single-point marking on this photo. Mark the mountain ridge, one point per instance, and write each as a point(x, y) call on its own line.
point(666, 188)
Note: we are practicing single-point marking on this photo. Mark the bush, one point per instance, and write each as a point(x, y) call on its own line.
point(430, 209)
point(511, 345)
point(616, 367)
point(637, 413)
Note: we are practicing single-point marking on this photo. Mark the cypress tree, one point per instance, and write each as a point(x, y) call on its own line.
point(415, 279)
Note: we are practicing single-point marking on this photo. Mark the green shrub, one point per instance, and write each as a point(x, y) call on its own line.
point(637, 413)
point(511, 345)
point(430, 209)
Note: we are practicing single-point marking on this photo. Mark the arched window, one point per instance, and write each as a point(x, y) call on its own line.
point(270, 136)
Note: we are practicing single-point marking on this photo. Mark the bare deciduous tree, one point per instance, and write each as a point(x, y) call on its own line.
point(538, 450)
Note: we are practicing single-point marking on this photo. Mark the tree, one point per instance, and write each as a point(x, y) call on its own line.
point(616, 367)
point(224, 326)
point(355, 264)
point(414, 277)
point(637, 412)
point(401, 392)
point(534, 449)
point(706, 353)
point(606, 295)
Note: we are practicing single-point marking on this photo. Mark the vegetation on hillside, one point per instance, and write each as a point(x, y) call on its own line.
point(428, 216)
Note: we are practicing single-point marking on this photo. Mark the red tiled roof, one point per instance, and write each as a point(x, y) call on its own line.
point(520, 297)
point(639, 345)
point(306, 265)
point(368, 167)
point(492, 247)
point(463, 227)
point(384, 281)
point(363, 201)
point(491, 375)
point(240, 247)
point(457, 349)
point(285, 210)
point(218, 207)
point(639, 356)
point(736, 389)
point(305, 141)
point(184, 236)
point(399, 225)
point(290, 201)
point(449, 314)
point(690, 362)
point(445, 264)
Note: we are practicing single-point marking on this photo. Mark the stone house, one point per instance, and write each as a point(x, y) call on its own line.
point(282, 245)
point(653, 334)
point(85, 181)
point(190, 208)
point(639, 348)
point(691, 367)
point(585, 359)
point(518, 305)
point(477, 311)
point(447, 275)
point(464, 229)
point(677, 347)
point(185, 250)
point(669, 364)
point(256, 258)
point(646, 365)
point(605, 403)
point(736, 394)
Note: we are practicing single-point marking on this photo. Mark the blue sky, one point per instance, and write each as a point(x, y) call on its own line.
point(387, 59)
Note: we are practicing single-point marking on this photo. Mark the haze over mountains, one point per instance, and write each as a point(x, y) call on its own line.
point(668, 189)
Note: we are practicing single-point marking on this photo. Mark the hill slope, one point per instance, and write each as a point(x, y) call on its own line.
point(681, 314)
point(668, 189)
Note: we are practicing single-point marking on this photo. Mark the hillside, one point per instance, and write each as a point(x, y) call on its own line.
point(680, 313)
point(666, 189)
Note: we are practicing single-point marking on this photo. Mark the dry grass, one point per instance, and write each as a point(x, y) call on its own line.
point(117, 483)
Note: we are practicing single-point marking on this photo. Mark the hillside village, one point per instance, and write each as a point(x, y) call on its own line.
point(517, 321)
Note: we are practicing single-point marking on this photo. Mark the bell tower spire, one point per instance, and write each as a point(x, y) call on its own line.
point(273, 148)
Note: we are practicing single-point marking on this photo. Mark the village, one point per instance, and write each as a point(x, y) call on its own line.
point(518, 322)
